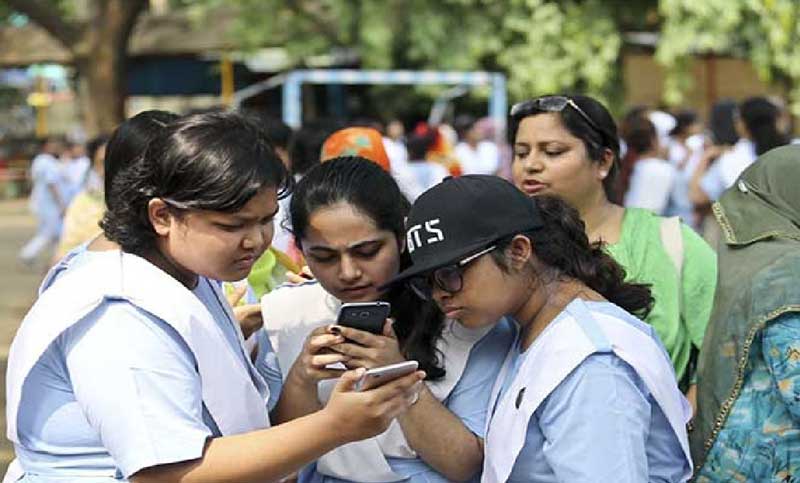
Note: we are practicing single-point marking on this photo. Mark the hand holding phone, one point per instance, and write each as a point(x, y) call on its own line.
point(367, 316)
point(379, 376)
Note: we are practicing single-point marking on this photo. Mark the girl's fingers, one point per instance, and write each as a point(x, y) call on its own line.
point(328, 374)
point(352, 350)
point(359, 336)
point(323, 360)
point(388, 329)
point(347, 381)
point(318, 342)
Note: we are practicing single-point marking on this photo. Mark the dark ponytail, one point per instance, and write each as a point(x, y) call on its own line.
point(563, 246)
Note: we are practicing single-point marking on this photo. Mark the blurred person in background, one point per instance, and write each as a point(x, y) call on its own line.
point(488, 128)
point(648, 179)
point(82, 218)
point(664, 123)
point(721, 137)
point(756, 121)
point(365, 142)
point(568, 146)
point(368, 143)
point(75, 166)
point(281, 136)
point(426, 173)
point(304, 153)
point(395, 142)
point(441, 149)
point(684, 151)
point(685, 138)
point(747, 426)
point(47, 202)
point(306, 147)
point(126, 144)
point(476, 155)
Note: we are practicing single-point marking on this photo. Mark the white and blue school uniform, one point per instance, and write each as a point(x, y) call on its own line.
point(472, 359)
point(115, 373)
point(594, 398)
point(45, 173)
point(266, 362)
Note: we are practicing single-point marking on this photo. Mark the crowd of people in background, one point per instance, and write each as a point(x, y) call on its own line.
point(585, 301)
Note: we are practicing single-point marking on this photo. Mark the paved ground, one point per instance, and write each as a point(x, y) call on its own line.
point(17, 290)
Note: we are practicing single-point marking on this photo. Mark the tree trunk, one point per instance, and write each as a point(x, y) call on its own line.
point(103, 62)
point(99, 50)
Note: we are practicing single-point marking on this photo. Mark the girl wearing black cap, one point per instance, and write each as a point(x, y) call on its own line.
point(567, 146)
point(587, 393)
point(347, 217)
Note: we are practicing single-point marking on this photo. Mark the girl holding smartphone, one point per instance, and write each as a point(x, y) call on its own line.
point(130, 366)
point(347, 216)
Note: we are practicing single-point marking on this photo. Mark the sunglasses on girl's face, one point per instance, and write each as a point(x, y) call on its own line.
point(552, 104)
point(449, 278)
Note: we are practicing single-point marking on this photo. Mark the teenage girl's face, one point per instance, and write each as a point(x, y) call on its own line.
point(223, 246)
point(486, 295)
point(548, 159)
point(349, 255)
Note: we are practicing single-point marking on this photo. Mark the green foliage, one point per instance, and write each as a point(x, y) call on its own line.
point(767, 32)
point(544, 46)
point(556, 46)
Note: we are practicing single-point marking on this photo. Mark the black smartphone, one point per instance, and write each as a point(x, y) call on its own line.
point(366, 316)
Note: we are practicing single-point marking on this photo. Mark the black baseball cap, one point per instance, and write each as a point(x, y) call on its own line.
point(462, 216)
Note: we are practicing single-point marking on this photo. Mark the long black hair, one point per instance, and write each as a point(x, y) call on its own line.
point(211, 161)
point(596, 142)
point(760, 116)
point(563, 247)
point(373, 192)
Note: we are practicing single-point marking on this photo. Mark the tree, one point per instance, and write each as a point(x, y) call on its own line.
point(543, 45)
point(99, 47)
point(765, 32)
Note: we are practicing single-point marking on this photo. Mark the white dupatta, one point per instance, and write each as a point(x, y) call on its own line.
point(560, 349)
point(233, 392)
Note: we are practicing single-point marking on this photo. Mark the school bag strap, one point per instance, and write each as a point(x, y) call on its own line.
point(672, 240)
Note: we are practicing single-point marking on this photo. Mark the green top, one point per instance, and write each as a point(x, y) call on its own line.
point(680, 325)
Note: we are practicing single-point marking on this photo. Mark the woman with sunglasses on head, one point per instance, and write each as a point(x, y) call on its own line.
point(347, 217)
point(587, 393)
point(567, 146)
point(130, 367)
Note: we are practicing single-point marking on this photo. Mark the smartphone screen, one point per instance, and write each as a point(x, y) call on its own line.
point(369, 316)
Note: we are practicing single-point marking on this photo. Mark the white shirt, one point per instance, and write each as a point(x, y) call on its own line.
point(427, 174)
point(726, 170)
point(484, 159)
point(652, 182)
point(398, 157)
